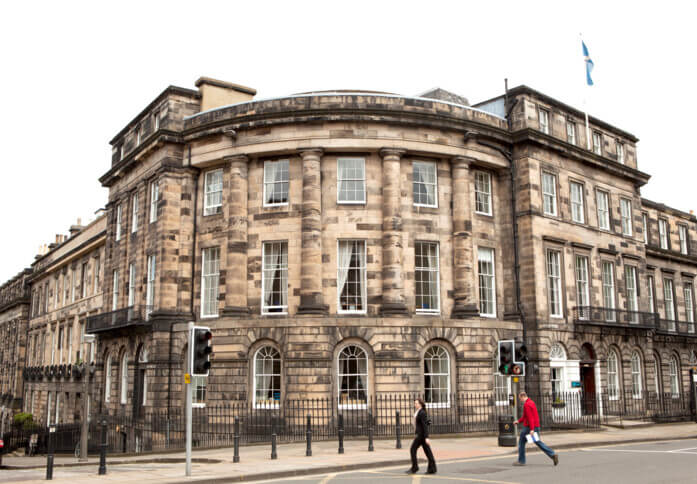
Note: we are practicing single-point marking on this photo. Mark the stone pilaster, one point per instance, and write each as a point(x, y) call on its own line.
point(311, 301)
point(392, 282)
point(236, 267)
point(463, 257)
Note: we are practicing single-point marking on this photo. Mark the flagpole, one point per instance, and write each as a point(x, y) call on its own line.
point(585, 108)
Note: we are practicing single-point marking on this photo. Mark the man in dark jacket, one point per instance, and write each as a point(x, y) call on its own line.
point(421, 439)
point(531, 423)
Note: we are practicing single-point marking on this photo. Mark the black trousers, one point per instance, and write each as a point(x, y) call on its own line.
point(421, 442)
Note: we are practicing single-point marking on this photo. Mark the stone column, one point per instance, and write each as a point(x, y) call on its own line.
point(463, 255)
point(236, 266)
point(392, 283)
point(311, 301)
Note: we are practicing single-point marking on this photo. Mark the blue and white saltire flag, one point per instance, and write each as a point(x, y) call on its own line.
point(589, 64)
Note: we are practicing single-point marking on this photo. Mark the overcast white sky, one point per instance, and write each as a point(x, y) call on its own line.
point(74, 73)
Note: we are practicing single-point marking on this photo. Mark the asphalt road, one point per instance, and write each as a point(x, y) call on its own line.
point(669, 462)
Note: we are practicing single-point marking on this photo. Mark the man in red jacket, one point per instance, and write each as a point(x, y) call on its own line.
point(531, 423)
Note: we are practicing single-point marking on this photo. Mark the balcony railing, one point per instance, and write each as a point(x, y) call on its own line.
point(676, 327)
point(614, 317)
point(130, 316)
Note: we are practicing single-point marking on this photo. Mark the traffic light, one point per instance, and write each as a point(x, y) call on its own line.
point(505, 357)
point(201, 351)
point(520, 358)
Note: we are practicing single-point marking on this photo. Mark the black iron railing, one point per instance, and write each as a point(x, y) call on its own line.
point(130, 316)
point(614, 317)
point(678, 327)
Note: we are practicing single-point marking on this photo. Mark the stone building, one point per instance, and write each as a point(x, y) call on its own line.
point(349, 244)
point(66, 288)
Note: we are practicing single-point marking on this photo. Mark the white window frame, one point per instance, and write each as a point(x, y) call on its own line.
point(582, 283)
point(637, 386)
point(131, 284)
point(549, 195)
point(150, 285)
point(83, 282)
point(607, 270)
point(96, 276)
point(674, 371)
point(603, 198)
point(482, 193)
point(619, 148)
point(597, 147)
point(632, 286)
point(56, 419)
point(544, 120)
point(117, 236)
point(212, 189)
point(425, 165)
point(266, 183)
point(273, 404)
point(433, 275)
point(669, 302)
point(553, 263)
point(69, 337)
point(134, 213)
point(72, 285)
point(199, 389)
point(339, 161)
point(613, 372)
point(107, 379)
point(682, 233)
point(576, 198)
point(282, 309)
point(645, 226)
point(123, 374)
point(556, 378)
point(501, 387)
point(56, 296)
point(210, 282)
point(363, 273)
point(431, 356)
point(154, 199)
point(571, 132)
point(663, 233)
point(689, 305)
point(115, 290)
point(156, 120)
point(340, 375)
point(626, 215)
point(652, 293)
point(486, 255)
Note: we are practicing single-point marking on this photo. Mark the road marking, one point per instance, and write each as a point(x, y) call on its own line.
point(416, 479)
point(638, 451)
point(327, 478)
point(684, 450)
point(445, 478)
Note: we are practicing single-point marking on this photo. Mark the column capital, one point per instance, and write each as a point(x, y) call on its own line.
point(311, 150)
point(398, 152)
point(236, 159)
point(462, 161)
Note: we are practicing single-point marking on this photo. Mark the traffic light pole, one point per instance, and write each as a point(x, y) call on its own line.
point(187, 383)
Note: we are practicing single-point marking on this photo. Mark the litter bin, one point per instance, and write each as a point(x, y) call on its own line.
point(506, 431)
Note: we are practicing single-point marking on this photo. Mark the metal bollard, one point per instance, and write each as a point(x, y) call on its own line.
point(102, 451)
point(399, 431)
point(370, 433)
point(236, 441)
point(49, 453)
point(341, 433)
point(274, 455)
point(308, 452)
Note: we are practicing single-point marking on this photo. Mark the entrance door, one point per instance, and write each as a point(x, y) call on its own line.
point(588, 386)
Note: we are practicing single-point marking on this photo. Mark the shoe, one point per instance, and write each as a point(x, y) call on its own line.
point(555, 458)
point(516, 463)
point(412, 471)
point(431, 472)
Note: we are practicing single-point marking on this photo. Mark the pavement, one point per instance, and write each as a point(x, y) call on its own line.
point(217, 466)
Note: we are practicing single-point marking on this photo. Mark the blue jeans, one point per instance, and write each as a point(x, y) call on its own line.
point(524, 431)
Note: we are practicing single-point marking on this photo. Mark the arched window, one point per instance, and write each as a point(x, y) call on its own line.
point(557, 363)
point(267, 377)
point(674, 377)
point(613, 383)
point(142, 361)
point(636, 375)
point(353, 377)
point(437, 376)
point(107, 379)
point(123, 371)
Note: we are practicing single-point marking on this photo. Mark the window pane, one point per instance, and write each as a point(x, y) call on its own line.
point(210, 277)
point(554, 283)
point(487, 286)
point(351, 276)
point(275, 277)
point(425, 184)
point(213, 192)
point(426, 276)
point(351, 180)
point(549, 193)
point(482, 192)
point(353, 377)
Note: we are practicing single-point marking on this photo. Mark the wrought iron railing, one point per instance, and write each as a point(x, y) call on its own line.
point(614, 317)
point(117, 319)
point(677, 327)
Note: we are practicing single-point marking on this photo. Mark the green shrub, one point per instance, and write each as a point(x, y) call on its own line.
point(24, 419)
